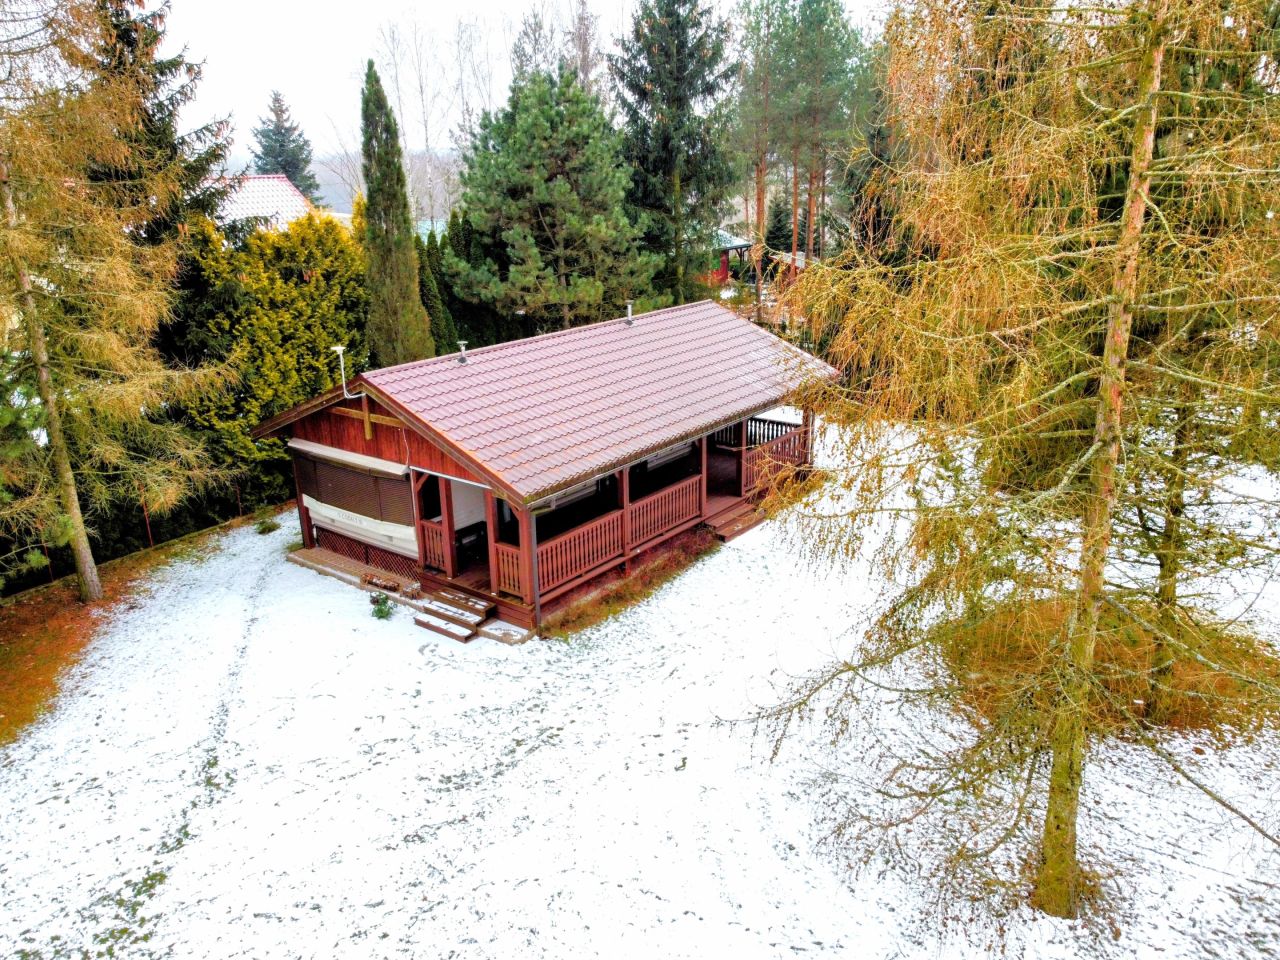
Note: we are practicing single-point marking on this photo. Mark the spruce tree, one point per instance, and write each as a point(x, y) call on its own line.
point(543, 181)
point(284, 148)
point(670, 75)
point(777, 235)
point(127, 50)
point(399, 329)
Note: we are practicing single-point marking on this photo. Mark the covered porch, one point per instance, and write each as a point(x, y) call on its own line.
point(613, 518)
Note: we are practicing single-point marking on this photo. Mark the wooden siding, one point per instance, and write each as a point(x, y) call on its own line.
point(388, 442)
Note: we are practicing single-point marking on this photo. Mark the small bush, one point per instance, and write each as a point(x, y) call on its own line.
point(267, 525)
point(381, 606)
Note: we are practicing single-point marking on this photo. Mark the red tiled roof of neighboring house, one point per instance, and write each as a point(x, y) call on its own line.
point(550, 411)
point(271, 196)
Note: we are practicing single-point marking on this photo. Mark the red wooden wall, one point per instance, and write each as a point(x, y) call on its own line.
point(388, 443)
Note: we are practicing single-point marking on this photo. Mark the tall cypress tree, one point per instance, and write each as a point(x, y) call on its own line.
point(443, 331)
point(284, 148)
point(670, 75)
point(399, 329)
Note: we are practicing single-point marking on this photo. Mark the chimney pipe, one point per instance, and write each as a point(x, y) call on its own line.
point(630, 320)
point(462, 356)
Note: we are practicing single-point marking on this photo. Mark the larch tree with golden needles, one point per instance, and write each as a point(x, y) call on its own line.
point(81, 297)
point(1060, 414)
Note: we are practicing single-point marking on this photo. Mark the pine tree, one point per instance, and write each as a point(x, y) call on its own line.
point(283, 148)
point(766, 24)
point(127, 50)
point(399, 329)
point(670, 76)
point(544, 182)
point(443, 331)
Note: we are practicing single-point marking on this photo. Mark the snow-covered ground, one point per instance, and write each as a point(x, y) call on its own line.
point(246, 764)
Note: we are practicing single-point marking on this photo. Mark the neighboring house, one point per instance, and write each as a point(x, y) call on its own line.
point(727, 243)
point(503, 478)
point(270, 197)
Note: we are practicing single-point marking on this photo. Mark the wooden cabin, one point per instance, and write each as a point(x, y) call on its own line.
point(501, 479)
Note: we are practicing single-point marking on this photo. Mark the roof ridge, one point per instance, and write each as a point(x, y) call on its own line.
point(510, 344)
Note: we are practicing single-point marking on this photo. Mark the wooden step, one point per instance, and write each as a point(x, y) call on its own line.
point(445, 628)
point(456, 598)
point(462, 616)
point(737, 522)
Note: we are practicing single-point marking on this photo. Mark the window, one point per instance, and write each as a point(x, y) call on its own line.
point(381, 498)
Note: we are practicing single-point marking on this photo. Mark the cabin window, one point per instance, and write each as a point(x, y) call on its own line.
point(380, 498)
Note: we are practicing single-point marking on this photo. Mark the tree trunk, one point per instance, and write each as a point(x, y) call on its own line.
point(757, 248)
point(795, 212)
point(1169, 557)
point(1058, 886)
point(822, 210)
point(86, 568)
point(812, 200)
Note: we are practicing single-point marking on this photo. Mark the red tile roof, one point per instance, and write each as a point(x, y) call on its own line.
point(550, 411)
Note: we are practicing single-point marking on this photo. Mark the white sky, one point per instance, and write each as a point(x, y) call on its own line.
point(314, 53)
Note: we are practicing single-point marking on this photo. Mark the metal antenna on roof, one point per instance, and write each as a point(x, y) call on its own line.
point(462, 355)
point(630, 319)
point(340, 350)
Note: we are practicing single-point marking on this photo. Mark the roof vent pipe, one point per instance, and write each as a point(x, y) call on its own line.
point(630, 319)
point(462, 355)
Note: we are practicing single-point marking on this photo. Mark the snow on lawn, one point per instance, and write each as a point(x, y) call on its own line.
point(246, 764)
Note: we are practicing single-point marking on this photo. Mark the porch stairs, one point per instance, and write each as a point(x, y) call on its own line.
point(462, 617)
point(735, 520)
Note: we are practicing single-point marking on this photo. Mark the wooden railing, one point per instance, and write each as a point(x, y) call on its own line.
point(761, 431)
point(562, 558)
point(789, 448)
point(509, 579)
point(433, 543)
point(725, 436)
point(662, 511)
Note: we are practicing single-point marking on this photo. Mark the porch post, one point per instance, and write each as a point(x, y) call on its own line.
point(304, 515)
point(624, 503)
point(446, 528)
point(417, 480)
point(808, 436)
point(702, 490)
point(527, 586)
point(491, 529)
point(742, 458)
